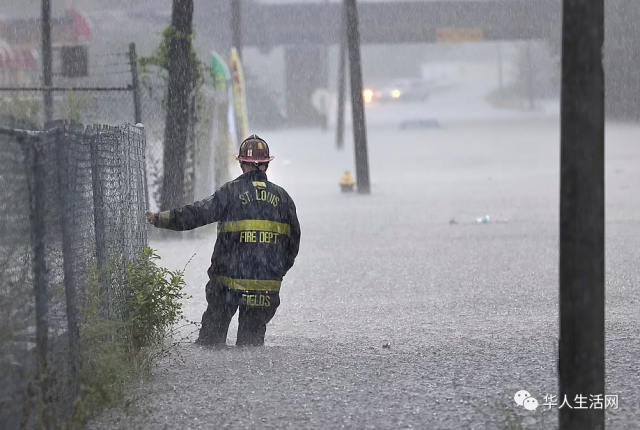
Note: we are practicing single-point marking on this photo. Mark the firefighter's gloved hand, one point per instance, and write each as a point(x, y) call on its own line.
point(152, 218)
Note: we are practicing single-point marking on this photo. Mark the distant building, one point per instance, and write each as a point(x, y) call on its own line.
point(20, 44)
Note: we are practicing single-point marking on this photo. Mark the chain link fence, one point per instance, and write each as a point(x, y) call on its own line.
point(153, 101)
point(72, 204)
point(209, 151)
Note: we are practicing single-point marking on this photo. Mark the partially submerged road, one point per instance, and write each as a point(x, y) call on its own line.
point(401, 311)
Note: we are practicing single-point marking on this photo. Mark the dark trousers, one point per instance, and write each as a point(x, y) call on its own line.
point(256, 310)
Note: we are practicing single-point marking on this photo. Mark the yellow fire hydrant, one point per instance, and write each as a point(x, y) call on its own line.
point(347, 182)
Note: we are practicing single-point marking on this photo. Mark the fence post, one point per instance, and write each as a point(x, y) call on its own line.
point(39, 263)
point(67, 251)
point(35, 171)
point(47, 67)
point(138, 188)
point(145, 184)
point(190, 160)
point(204, 164)
point(99, 222)
point(135, 83)
point(222, 137)
point(125, 143)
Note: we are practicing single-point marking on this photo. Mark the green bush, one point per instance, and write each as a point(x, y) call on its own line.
point(26, 110)
point(118, 352)
point(154, 306)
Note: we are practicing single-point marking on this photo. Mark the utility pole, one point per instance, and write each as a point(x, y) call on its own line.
point(236, 26)
point(581, 364)
point(529, 66)
point(178, 96)
point(342, 79)
point(500, 69)
point(357, 102)
point(326, 104)
point(47, 60)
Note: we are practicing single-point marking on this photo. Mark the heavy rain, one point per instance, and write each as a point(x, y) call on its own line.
point(310, 214)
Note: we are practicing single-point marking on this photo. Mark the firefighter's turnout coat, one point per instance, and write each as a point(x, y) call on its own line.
point(258, 232)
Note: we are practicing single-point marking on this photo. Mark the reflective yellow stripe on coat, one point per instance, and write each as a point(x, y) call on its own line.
point(248, 284)
point(255, 225)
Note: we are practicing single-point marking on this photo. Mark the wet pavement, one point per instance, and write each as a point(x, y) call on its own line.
point(401, 310)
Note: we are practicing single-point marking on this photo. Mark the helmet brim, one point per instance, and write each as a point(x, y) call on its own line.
point(254, 160)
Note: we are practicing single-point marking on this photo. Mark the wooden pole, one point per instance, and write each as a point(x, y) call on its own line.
point(357, 102)
point(342, 79)
point(582, 215)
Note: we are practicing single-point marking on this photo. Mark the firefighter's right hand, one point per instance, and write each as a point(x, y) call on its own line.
point(151, 217)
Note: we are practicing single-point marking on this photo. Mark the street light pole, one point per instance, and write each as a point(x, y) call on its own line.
point(581, 364)
point(357, 102)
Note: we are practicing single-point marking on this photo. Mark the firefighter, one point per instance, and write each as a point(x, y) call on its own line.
point(257, 243)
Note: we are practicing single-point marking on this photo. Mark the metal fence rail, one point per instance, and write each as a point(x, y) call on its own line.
point(72, 200)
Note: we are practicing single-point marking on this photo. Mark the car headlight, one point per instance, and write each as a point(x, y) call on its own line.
point(368, 95)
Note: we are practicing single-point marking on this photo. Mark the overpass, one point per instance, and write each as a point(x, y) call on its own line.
point(305, 29)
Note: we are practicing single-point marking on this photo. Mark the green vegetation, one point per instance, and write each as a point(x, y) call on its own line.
point(158, 63)
point(118, 352)
point(71, 108)
point(204, 109)
point(155, 305)
point(118, 347)
point(28, 109)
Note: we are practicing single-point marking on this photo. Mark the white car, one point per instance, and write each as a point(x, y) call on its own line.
point(404, 90)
